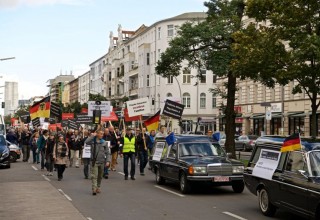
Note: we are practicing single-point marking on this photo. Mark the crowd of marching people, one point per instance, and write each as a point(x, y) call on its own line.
point(56, 150)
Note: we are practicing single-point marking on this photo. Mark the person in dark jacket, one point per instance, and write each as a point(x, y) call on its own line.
point(107, 137)
point(12, 137)
point(49, 154)
point(25, 137)
point(114, 146)
point(141, 145)
point(86, 161)
point(75, 144)
point(41, 143)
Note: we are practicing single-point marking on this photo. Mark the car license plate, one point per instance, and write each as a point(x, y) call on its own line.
point(221, 179)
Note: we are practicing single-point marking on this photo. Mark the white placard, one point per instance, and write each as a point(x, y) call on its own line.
point(86, 153)
point(105, 108)
point(158, 152)
point(45, 126)
point(267, 164)
point(138, 107)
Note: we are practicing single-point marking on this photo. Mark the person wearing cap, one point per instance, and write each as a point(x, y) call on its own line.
point(128, 149)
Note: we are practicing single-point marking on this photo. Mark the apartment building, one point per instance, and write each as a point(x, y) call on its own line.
point(84, 87)
point(97, 76)
point(74, 90)
point(130, 73)
point(10, 97)
point(56, 86)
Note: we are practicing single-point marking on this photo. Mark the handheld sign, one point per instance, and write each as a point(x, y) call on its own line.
point(86, 153)
point(103, 106)
point(267, 164)
point(173, 109)
point(138, 107)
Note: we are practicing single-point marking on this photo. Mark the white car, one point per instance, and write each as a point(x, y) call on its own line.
point(15, 151)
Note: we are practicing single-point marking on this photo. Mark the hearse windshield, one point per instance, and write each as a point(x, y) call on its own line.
point(200, 149)
point(315, 163)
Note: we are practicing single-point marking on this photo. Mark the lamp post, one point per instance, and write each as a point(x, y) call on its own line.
point(265, 105)
point(8, 58)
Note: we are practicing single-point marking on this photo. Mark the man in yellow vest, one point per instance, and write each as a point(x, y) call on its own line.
point(128, 149)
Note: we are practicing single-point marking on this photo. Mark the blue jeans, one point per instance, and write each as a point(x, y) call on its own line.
point(105, 171)
point(126, 157)
point(143, 155)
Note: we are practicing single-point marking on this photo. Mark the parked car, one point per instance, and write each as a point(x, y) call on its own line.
point(245, 142)
point(295, 183)
point(15, 151)
point(4, 153)
point(194, 158)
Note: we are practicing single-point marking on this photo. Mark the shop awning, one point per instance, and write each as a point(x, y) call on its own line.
point(276, 115)
point(257, 116)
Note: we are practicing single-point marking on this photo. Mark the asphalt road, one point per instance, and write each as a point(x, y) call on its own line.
point(142, 198)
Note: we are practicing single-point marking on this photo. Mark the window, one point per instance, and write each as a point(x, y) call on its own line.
point(148, 58)
point(118, 89)
point(202, 100)
point(248, 94)
point(148, 80)
point(109, 91)
point(214, 101)
point(295, 162)
point(132, 64)
point(214, 78)
point(186, 100)
point(109, 76)
point(170, 30)
point(159, 53)
point(173, 151)
point(169, 94)
point(118, 72)
point(170, 79)
point(159, 33)
point(203, 76)
point(186, 76)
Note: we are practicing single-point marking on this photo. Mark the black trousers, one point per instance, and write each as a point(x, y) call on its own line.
point(60, 169)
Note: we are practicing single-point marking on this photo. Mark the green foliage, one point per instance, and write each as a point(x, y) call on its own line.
point(96, 97)
point(286, 49)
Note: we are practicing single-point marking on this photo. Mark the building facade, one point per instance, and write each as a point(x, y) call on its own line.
point(84, 86)
point(74, 90)
point(65, 98)
point(97, 76)
point(11, 97)
point(56, 86)
point(130, 73)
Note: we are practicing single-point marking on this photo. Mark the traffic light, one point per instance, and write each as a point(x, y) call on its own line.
point(2, 105)
point(96, 116)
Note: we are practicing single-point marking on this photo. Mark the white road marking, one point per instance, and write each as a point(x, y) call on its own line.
point(35, 168)
point(89, 218)
point(234, 216)
point(65, 195)
point(46, 178)
point(167, 190)
point(121, 173)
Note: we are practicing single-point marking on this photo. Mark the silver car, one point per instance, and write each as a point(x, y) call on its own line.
point(245, 142)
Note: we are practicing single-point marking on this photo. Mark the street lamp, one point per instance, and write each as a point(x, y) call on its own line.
point(8, 58)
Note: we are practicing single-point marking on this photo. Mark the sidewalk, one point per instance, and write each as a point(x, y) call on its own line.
point(37, 200)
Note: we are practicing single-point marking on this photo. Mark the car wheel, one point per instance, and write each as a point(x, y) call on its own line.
point(159, 179)
point(264, 203)
point(8, 166)
point(238, 186)
point(13, 157)
point(185, 185)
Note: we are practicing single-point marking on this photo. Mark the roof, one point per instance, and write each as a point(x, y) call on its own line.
point(184, 16)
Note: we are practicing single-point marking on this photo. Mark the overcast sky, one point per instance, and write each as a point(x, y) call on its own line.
point(52, 36)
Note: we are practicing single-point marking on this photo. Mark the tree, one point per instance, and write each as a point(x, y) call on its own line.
point(96, 97)
point(208, 45)
point(284, 48)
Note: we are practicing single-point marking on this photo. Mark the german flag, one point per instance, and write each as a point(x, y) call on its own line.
point(40, 109)
point(291, 143)
point(152, 123)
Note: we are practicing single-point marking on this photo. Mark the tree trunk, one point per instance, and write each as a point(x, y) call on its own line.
point(230, 115)
point(314, 108)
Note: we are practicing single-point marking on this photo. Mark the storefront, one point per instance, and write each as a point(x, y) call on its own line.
point(296, 123)
point(317, 124)
point(258, 123)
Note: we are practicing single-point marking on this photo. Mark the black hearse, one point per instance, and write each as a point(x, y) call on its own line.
point(295, 183)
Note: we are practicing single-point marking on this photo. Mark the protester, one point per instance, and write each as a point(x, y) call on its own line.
point(141, 144)
point(19, 137)
point(86, 161)
point(99, 159)
point(25, 137)
point(34, 147)
point(128, 150)
point(75, 144)
point(162, 132)
point(114, 146)
point(60, 156)
point(150, 143)
point(12, 137)
point(41, 143)
point(49, 154)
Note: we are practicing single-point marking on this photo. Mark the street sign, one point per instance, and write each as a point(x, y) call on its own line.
point(103, 106)
point(268, 115)
point(265, 104)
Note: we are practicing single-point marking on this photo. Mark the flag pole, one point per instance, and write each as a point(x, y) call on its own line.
point(144, 141)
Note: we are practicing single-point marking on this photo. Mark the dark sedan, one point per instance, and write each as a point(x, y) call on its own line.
point(4, 153)
point(193, 158)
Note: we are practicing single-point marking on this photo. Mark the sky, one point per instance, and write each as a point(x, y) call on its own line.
point(49, 37)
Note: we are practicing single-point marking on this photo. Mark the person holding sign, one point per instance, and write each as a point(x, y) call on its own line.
point(141, 141)
point(99, 159)
point(128, 150)
point(86, 155)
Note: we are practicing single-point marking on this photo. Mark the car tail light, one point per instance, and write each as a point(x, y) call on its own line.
point(250, 142)
point(190, 170)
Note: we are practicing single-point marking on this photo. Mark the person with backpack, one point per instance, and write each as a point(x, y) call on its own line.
point(60, 156)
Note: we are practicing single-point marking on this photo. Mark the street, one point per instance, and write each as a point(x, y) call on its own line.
point(120, 199)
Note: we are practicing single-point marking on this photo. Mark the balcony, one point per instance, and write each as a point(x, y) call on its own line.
point(133, 91)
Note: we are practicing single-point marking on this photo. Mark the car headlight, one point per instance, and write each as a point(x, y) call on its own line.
point(5, 154)
point(197, 170)
point(237, 169)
